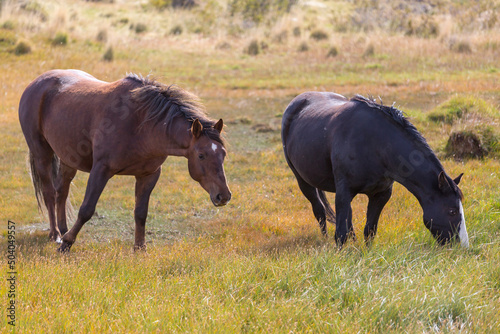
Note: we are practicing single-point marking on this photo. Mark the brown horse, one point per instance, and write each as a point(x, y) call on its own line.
point(72, 121)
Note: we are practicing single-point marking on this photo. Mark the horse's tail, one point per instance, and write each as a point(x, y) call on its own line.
point(37, 181)
point(330, 214)
point(37, 184)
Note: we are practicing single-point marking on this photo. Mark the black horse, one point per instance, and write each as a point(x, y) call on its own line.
point(358, 146)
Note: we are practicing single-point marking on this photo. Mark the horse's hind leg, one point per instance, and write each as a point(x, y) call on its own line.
point(63, 182)
point(99, 176)
point(376, 203)
point(319, 210)
point(143, 188)
point(344, 227)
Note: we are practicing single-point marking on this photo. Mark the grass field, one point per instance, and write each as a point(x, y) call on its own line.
point(259, 264)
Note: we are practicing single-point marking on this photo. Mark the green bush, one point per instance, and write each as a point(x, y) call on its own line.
point(253, 48)
point(257, 10)
point(60, 38)
point(22, 47)
point(319, 35)
point(162, 4)
point(140, 28)
point(108, 55)
point(458, 106)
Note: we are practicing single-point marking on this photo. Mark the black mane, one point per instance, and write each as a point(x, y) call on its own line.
point(163, 103)
point(399, 118)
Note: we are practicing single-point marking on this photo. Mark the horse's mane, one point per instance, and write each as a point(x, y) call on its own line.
point(398, 117)
point(163, 103)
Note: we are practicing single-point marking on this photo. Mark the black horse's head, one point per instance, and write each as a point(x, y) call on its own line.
point(443, 212)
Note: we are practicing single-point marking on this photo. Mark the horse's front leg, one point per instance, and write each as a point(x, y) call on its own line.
point(375, 205)
point(99, 176)
point(143, 187)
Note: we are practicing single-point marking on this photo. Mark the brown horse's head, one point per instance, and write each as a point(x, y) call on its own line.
point(205, 162)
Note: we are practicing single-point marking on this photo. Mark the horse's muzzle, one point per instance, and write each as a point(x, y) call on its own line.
point(221, 199)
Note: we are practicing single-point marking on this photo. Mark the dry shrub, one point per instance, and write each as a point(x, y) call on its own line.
point(296, 31)
point(333, 52)
point(176, 30)
point(60, 39)
point(281, 37)
point(253, 48)
point(108, 55)
point(303, 47)
point(465, 145)
point(319, 35)
point(369, 51)
point(22, 47)
point(139, 28)
point(102, 36)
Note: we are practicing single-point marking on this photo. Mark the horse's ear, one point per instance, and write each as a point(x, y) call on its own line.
point(219, 125)
point(196, 128)
point(443, 182)
point(457, 180)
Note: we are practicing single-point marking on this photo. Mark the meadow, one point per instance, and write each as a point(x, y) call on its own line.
point(259, 264)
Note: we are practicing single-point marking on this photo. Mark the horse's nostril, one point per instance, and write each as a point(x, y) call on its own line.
point(218, 198)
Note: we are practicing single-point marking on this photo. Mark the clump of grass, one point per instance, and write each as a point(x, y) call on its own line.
point(253, 48)
point(427, 28)
point(463, 47)
point(465, 144)
point(7, 38)
point(296, 31)
point(163, 4)
point(258, 10)
point(108, 55)
point(459, 106)
point(102, 35)
point(369, 51)
point(333, 52)
point(176, 30)
point(60, 39)
point(303, 47)
point(22, 47)
point(319, 35)
point(8, 25)
point(281, 37)
point(223, 46)
point(140, 28)
point(35, 8)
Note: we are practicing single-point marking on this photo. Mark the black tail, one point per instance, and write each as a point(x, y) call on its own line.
point(330, 214)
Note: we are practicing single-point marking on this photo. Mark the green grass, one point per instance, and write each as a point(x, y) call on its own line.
point(258, 265)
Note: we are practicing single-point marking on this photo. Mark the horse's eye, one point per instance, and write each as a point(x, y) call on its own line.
point(201, 156)
point(453, 212)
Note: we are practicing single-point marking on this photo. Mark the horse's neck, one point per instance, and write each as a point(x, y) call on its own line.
point(170, 139)
point(416, 168)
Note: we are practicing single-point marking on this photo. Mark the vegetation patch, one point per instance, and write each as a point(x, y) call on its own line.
point(60, 39)
point(461, 106)
point(22, 47)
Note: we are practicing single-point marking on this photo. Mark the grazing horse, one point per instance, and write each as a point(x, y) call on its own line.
point(72, 121)
point(358, 146)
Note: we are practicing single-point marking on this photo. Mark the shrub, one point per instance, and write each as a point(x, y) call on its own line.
point(253, 48)
point(256, 10)
point(296, 31)
point(140, 28)
point(369, 51)
point(60, 38)
point(8, 25)
point(108, 55)
point(463, 47)
point(459, 106)
point(303, 47)
point(177, 30)
point(35, 8)
point(319, 35)
point(7, 38)
point(281, 37)
point(162, 4)
point(102, 35)
point(333, 52)
point(21, 48)
point(465, 144)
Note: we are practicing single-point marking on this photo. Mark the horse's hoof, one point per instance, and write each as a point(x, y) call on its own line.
point(140, 248)
point(64, 248)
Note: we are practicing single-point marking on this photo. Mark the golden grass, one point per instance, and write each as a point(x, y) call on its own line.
point(260, 263)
